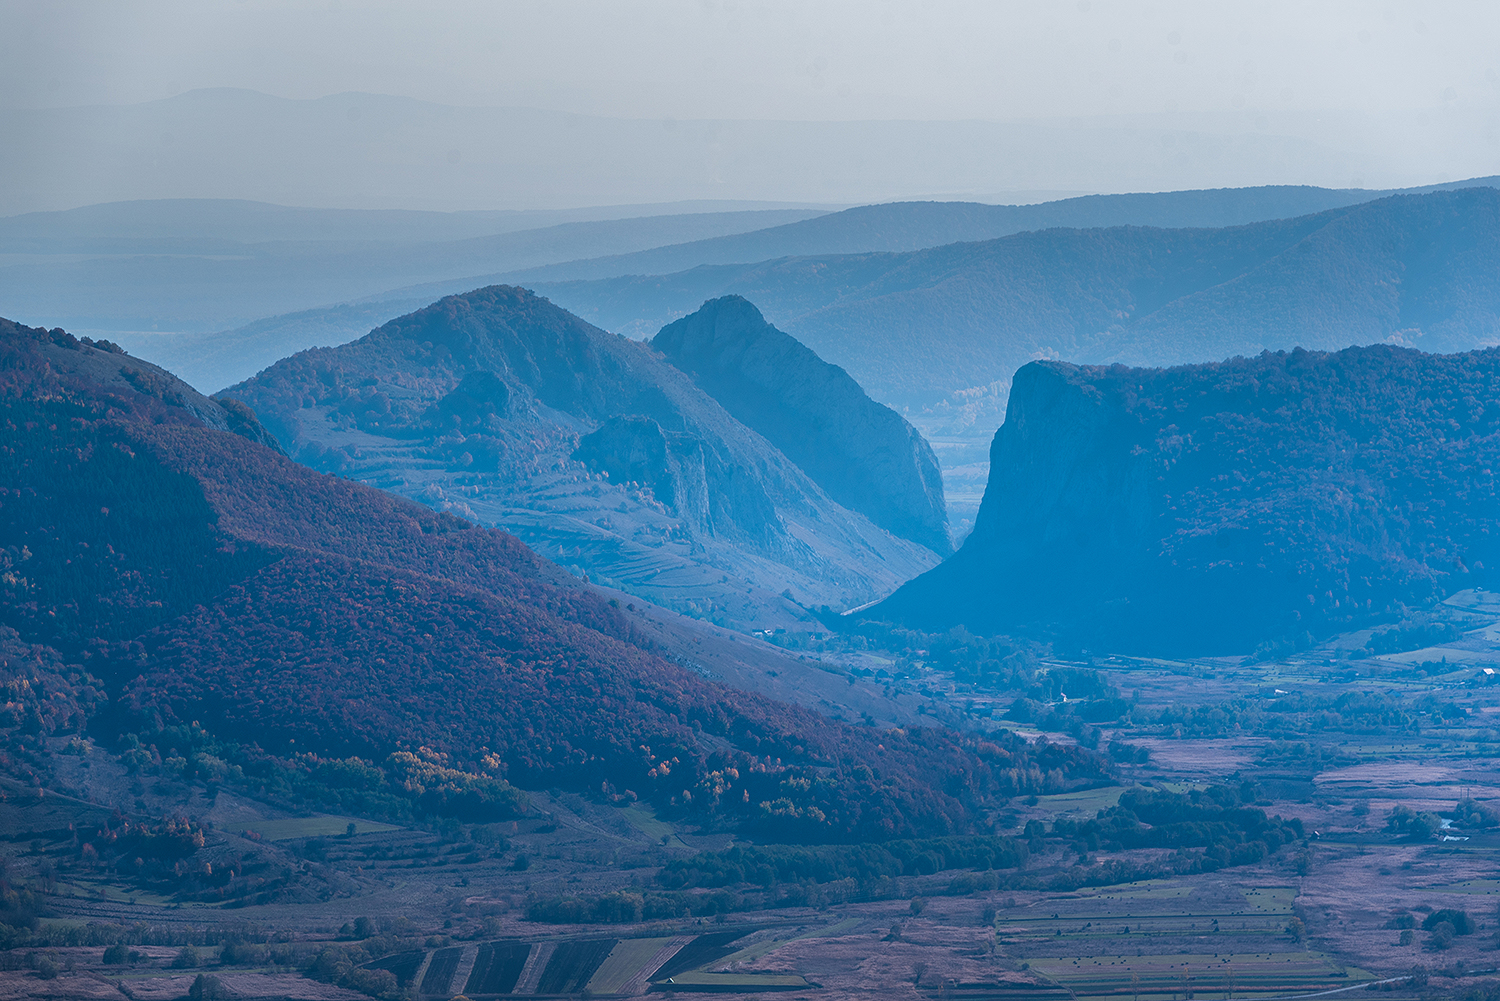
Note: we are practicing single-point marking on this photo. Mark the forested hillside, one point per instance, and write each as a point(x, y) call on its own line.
point(285, 622)
point(1211, 508)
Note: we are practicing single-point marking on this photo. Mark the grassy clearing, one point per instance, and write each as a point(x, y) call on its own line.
point(643, 819)
point(112, 893)
point(1474, 887)
point(320, 826)
point(1084, 801)
point(624, 962)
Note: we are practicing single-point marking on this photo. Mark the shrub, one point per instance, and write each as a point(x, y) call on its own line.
point(376, 983)
point(186, 959)
point(207, 988)
point(1460, 921)
point(116, 954)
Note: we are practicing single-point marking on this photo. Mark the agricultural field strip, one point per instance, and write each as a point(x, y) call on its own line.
point(746, 980)
point(465, 965)
point(536, 964)
point(1277, 972)
point(624, 962)
point(321, 826)
point(638, 983)
point(762, 948)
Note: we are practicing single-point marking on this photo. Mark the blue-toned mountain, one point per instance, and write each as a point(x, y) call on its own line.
point(1210, 508)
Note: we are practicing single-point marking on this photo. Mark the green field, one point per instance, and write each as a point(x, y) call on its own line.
point(320, 826)
point(623, 962)
point(643, 818)
point(1085, 801)
point(1252, 975)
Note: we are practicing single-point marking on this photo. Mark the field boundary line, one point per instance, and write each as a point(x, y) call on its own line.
point(1338, 990)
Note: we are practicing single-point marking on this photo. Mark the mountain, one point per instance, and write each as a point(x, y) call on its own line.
point(917, 328)
point(590, 447)
point(862, 453)
point(895, 227)
point(170, 581)
point(1210, 508)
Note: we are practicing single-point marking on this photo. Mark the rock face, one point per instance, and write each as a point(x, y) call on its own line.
point(864, 454)
point(687, 474)
point(514, 413)
point(1210, 508)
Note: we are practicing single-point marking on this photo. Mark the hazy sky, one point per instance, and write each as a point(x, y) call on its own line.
point(920, 59)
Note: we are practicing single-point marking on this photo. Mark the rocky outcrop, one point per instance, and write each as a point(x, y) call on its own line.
point(685, 473)
point(865, 455)
point(1212, 508)
point(478, 403)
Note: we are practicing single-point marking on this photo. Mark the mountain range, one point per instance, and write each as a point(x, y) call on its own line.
point(917, 328)
point(168, 278)
point(897, 227)
point(601, 454)
point(1208, 509)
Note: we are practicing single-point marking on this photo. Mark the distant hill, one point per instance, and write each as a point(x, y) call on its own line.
point(1210, 508)
point(110, 225)
point(160, 572)
point(182, 266)
point(895, 227)
point(330, 255)
point(590, 447)
point(915, 328)
point(863, 454)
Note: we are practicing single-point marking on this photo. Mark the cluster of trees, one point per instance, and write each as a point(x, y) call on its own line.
point(1412, 636)
point(766, 865)
point(1218, 820)
point(1310, 712)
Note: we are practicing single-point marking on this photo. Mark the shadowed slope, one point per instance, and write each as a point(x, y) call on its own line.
point(862, 453)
